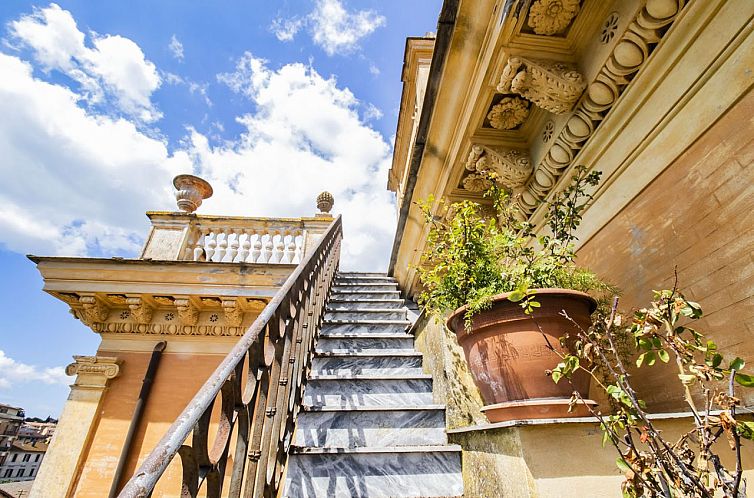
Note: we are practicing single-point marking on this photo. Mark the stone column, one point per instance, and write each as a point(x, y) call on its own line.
point(74, 430)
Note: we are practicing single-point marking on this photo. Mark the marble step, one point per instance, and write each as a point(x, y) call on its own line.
point(365, 287)
point(346, 428)
point(360, 274)
point(340, 328)
point(431, 471)
point(341, 305)
point(356, 295)
point(364, 279)
point(366, 314)
point(343, 366)
point(368, 390)
point(365, 344)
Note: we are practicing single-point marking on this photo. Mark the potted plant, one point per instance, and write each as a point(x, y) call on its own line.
point(507, 290)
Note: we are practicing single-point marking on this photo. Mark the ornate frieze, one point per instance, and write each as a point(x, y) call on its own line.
point(552, 86)
point(551, 17)
point(509, 167)
point(93, 371)
point(213, 328)
point(141, 311)
point(509, 113)
point(629, 53)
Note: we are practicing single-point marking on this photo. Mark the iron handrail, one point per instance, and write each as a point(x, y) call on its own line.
point(278, 348)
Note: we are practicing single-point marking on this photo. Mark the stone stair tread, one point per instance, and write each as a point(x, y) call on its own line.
point(434, 448)
point(314, 376)
point(385, 353)
point(366, 322)
point(369, 300)
point(363, 310)
point(357, 335)
point(354, 291)
point(369, 408)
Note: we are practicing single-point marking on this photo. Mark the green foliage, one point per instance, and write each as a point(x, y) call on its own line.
point(652, 465)
point(473, 254)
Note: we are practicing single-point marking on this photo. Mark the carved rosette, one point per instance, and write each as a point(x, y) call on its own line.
point(187, 312)
point(476, 182)
point(552, 86)
point(509, 167)
point(508, 113)
point(550, 17)
point(93, 371)
point(232, 312)
point(141, 311)
point(92, 310)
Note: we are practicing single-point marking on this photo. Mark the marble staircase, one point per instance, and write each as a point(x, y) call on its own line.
point(369, 427)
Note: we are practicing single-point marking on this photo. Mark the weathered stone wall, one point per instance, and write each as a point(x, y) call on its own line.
point(698, 216)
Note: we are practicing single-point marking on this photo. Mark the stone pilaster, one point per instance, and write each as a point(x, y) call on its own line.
point(75, 427)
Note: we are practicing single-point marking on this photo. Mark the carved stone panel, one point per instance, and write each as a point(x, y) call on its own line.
point(552, 17)
point(509, 167)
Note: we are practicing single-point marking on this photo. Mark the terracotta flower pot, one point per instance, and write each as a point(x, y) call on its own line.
point(507, 352)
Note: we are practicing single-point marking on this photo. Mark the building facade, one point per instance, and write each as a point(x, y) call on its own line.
point(23, 461)
point(11, 418)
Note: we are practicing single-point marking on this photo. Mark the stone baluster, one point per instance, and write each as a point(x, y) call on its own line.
point(211, 244)
point(256, 251)
point(290, 249)
point(277, 252)
point(267, 252)
point(299, 252)
point(243, 253)
point(199, 254)
point(222, 245)
point(232, 236)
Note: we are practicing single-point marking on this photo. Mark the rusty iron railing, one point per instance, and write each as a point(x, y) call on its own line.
point(273, 356)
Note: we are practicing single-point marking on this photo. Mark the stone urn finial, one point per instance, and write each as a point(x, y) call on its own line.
point(325, 202)
point(192, 190)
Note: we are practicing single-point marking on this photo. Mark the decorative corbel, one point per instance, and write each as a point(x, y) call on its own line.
point(93, 310)
point(93, 371)
point(187, 312)
point(552, 86)
point(232, 312)
point(509, 167)
point(141, 311)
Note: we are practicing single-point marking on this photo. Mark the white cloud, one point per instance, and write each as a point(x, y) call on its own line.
point(285, 30)
point(77, 183)
point(304, 137)
point(374, 70)
point(115, 66)
point(372, 112)
point(176, 48)
point(13, 372)
point(337, 30)
point(332, 27)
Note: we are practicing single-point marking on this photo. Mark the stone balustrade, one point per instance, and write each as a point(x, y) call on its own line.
point(191, 237)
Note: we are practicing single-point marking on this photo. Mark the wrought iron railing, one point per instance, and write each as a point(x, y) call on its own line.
point(273, 356)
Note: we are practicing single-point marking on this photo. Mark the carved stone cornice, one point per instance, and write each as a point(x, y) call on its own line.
point(552, 86)
point(93, 371)
point(510, 168)
point(141, 311)
point(187, 312)
point(628, 55)
point(550, 17)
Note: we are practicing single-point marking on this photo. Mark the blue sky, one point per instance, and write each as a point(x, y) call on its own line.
point(102, 103)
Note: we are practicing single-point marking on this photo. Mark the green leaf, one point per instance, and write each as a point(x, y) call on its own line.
point(746, 430)
point(664, 356)
point(651, 358)
point(605, 437)
point(623, 466)
point(745, 380)
point(640, 359)
point(516, 296)
point(687, 378)
point(556, 376)
point(737, 364)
